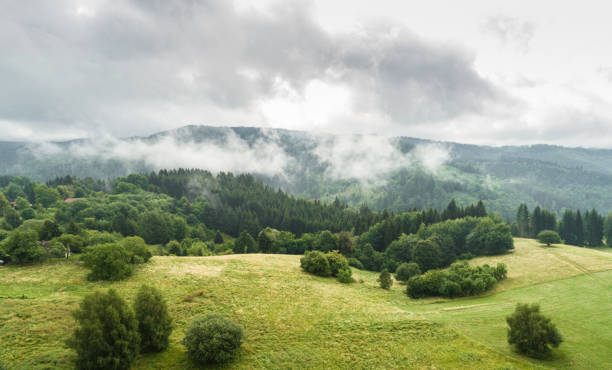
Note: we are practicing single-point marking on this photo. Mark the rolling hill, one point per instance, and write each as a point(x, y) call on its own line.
point(394, 173)
point(296, 320)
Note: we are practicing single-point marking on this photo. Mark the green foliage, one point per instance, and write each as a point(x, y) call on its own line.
point(608, 229)
point(12, 218)
point(213, 339)
point(108, 262)
point(531, 332)
point(427, 255)
point(56, 250)
point(23, 247)
point(245, 243)
point(175, 248)
point(155, 227)
point(345, 243)
point(316, 263)
point(385, 280)
point(45, 195)
point(107, 336)
point(337, 262)
point(355, 263)
point(74, 243)
point(489, 238)
point(198, 249)
point(460, 280)
point(137, 248)
point(407, 270)
point(154, 322)
point(49, 230)
point(218, 238)
point(326, 241)
point(549, 237)
point(28, 214)
point(345, 276)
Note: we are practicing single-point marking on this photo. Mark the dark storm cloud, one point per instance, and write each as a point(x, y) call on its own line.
point(127, 65)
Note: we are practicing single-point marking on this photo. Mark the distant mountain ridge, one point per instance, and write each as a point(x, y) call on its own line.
point(394, 173)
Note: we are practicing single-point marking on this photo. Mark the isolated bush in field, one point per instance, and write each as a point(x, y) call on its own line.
point(355, 263)
point(549, 237)
point(337, 262)
point(108, 262)
point(138, 249)
point(154, 322)
point(213, 339)
point(315, 263)
point(107, 333)
point(23, 247)
point(384, 279)
point(531, 332)
point(345, 276)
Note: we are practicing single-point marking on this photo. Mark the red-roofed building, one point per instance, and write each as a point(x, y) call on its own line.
point(70, 200)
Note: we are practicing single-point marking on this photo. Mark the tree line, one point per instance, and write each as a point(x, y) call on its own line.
point(574, 228)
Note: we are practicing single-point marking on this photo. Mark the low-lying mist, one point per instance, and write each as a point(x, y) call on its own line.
point(368, 159)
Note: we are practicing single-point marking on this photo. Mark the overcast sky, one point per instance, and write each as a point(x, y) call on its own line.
point(474, 71)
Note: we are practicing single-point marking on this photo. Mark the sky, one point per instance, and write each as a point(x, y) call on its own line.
point(476, 71)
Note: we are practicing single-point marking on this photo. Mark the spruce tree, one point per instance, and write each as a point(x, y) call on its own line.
point(154, 322)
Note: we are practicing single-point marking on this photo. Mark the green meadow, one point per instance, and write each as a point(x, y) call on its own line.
point(295, 320)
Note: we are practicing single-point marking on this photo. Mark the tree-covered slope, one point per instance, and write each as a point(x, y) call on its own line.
point(393, 173)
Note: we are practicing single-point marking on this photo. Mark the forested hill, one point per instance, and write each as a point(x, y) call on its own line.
point(386, 173)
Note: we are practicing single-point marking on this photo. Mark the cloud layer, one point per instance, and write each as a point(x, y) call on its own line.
point(134, 67)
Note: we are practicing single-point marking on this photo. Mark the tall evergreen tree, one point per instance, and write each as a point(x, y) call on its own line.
point(522, 220)
point(579, 229)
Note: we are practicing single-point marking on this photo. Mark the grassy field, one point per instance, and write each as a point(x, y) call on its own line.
point(295, 320)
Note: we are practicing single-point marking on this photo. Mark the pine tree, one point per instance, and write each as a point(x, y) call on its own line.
point(579, 229)
point(522, 220)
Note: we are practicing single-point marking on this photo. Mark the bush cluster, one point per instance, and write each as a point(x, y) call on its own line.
point(327, 264)
point(460, 280)
point(111, 334)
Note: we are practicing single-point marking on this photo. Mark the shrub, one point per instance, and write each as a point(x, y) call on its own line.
point(108, 262)
point(107, 333)
point(315, 263)
point(549, 237)
point(385, 280)
point(175, 248)
point(531, 332)
point(56, 250)
point(465, 256)
point(407, 270)
point(213, 339)
point(337, 262)
point(137, 248)
point(23, 247)
point(344, 276)
point(154, 322)
point(198, 249)
point(355, 263)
